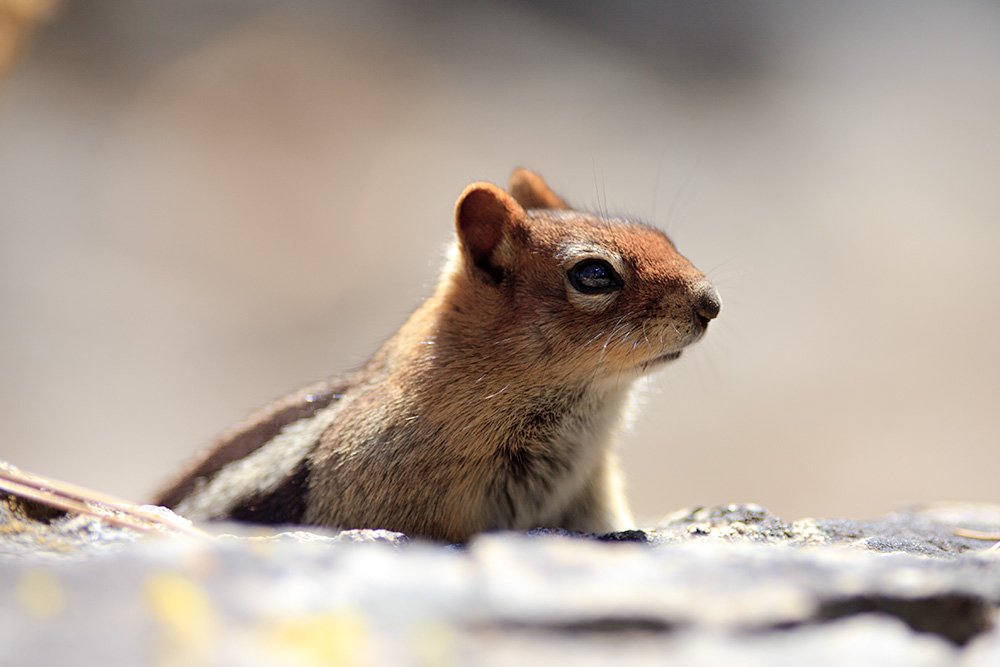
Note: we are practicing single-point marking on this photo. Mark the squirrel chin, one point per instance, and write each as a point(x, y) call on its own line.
point(662, 359)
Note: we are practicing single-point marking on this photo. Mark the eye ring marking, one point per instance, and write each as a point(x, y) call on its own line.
point(594, 276)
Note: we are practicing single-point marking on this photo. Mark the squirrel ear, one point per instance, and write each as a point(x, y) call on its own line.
point(531, 191)
point(484, 215)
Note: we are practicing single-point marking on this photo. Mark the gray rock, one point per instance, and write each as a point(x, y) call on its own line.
point(928, 531)
point(728, 585)
point(66, 535)
point(863, 640)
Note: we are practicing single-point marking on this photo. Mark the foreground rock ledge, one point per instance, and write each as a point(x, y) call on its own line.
point(726, 585)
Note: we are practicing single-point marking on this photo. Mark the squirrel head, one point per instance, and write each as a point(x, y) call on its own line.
point(578, 294)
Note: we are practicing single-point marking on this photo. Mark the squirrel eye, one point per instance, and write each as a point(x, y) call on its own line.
point(594, 276)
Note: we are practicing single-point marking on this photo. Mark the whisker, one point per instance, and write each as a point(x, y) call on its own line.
point(680, 191)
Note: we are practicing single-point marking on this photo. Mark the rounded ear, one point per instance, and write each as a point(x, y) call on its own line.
point(484, 217)
point(531, 191)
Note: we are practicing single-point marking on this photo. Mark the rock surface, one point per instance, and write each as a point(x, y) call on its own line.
point(725, 585)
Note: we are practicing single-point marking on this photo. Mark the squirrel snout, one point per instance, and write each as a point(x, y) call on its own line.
point(707, 304)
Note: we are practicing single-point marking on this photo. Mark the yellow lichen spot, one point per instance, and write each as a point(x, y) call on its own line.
point(433, 643)
point(40, 594)
point(182, 607)
point(323, 639)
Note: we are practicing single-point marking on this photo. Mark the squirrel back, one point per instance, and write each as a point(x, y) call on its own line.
point(496, 403)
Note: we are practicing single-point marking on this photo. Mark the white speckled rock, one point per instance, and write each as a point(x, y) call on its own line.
point(730, 585)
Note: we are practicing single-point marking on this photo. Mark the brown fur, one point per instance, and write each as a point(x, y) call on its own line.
point(496, 403)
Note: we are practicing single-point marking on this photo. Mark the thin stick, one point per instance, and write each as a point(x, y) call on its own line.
point(980, 535)
point(977, 534)
point(75, 499)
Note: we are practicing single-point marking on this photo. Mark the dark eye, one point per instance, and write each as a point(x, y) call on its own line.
point(594, 276)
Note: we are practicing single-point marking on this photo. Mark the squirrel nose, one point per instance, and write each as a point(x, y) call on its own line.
point(707, 304)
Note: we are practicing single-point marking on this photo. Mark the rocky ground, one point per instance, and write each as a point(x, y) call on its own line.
point(730, 585)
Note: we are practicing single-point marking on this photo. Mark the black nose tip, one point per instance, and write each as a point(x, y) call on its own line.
point(708, 304)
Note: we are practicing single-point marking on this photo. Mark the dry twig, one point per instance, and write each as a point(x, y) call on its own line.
point(77, 500)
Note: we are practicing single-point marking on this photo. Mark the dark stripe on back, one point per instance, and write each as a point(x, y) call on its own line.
point(285, 504)
point(250, 435)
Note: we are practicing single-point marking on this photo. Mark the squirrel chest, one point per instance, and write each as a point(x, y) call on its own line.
point(495, 405)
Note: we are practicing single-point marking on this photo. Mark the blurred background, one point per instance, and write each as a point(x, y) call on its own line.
point(206, 204)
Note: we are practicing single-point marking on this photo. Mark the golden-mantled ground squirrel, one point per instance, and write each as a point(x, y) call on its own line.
point(495, 405)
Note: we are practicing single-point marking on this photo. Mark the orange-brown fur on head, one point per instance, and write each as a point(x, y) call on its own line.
point(512, 286)
point(496, 404)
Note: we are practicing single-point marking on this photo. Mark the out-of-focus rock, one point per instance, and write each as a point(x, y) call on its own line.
point(709, 586)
